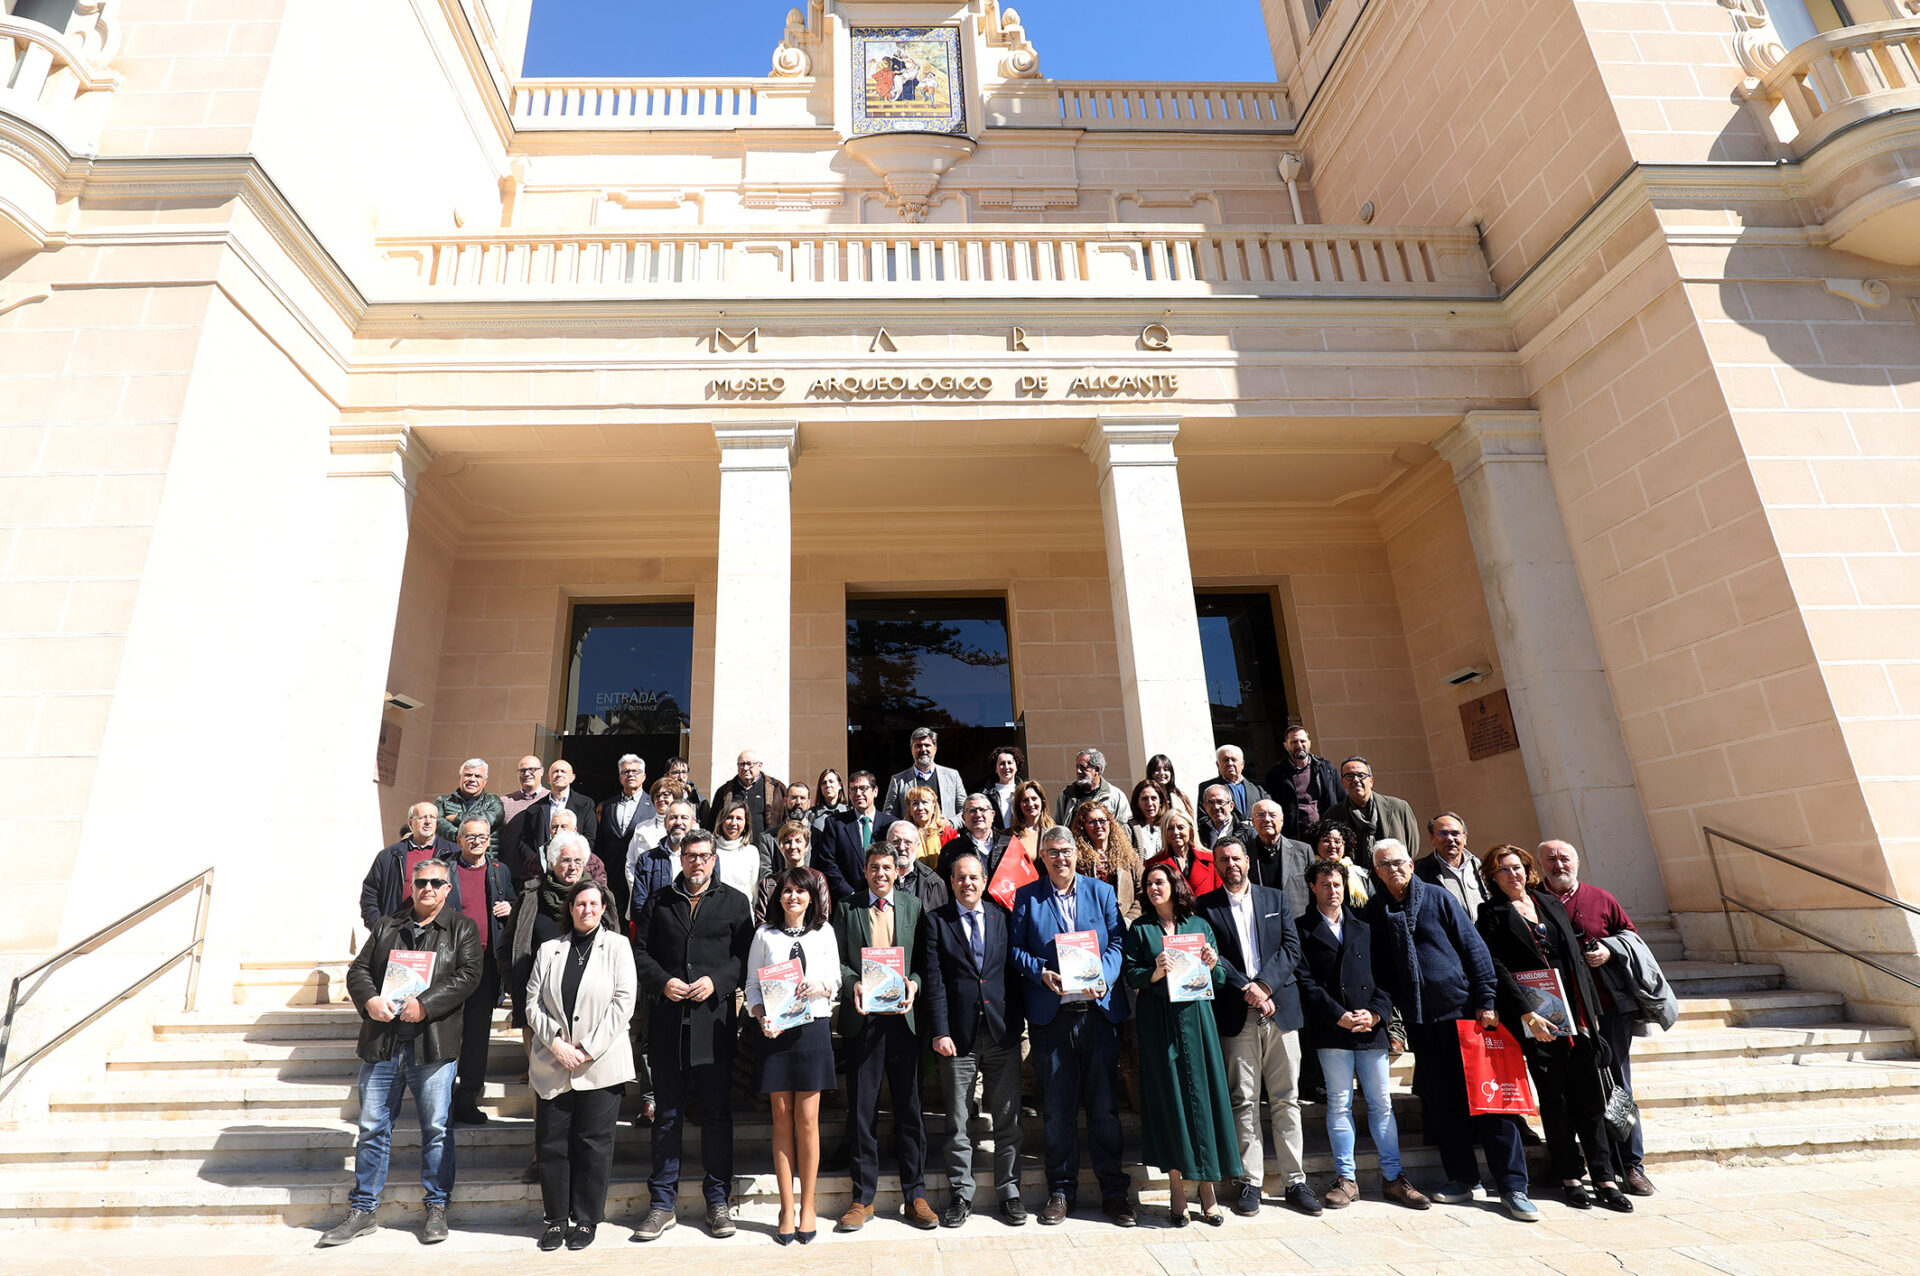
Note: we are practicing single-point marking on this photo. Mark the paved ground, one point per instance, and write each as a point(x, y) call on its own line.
point(1818, 1218)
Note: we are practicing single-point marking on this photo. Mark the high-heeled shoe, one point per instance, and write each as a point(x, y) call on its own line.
point(806, 1238)
point(784, 1238)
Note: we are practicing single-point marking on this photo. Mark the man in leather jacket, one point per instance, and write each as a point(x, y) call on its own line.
point(412, 1045)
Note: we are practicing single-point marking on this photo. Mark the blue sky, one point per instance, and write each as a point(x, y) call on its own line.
point(1077, 39)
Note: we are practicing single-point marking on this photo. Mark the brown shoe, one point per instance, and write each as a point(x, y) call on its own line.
point(1055, 1211)
point(1343, 1193)
point(919, 1214)
point(1404, 1193)
point(855, 1218)
point(1637, 1183)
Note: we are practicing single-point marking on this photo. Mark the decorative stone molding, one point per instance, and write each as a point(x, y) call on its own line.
point(910, 165)
point(793, 57)
point(1004, 30)
point(1028, 200)
point(1485, 437)
point(1871, 293)
point(791, 198)
point(1131, 441)
point(767, 446)
point(390, 450)
point(1756, 42)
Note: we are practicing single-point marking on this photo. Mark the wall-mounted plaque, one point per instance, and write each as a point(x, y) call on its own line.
point(908, 80)
point(386, 758)
point(1488, 725)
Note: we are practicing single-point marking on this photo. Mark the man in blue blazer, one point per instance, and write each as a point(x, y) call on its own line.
point(976, 1034)
point(1260, 1026)
point(1076, 1038)
point(840, 851)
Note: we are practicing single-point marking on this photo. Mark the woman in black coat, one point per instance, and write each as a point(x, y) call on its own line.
point(1346, 1027)
point(1526, 929)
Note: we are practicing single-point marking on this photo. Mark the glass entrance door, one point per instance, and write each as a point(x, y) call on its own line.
point(933, 662)
point(629, 689)
point(1246, 684)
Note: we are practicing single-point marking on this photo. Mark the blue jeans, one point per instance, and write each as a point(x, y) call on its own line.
point(1340, 1067)
point(382, 1085)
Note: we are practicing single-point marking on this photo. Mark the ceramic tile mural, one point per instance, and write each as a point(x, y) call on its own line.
point(910, 81)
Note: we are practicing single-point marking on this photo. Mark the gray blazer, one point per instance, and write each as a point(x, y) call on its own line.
point(947, 783)
point(602, 1010)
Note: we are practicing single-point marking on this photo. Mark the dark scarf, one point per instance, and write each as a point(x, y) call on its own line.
point(1402, 923)
point(553, 894)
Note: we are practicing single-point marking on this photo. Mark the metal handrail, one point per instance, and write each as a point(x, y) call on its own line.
point(1733, 936)
point(201, 881)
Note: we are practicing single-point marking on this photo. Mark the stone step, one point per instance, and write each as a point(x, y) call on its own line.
point(1823, 1043)
point(334, 1057)
point(1771, 1007)
point(1707, 978)
point(1811, 1088)
point(290, 983)
point(115, 1196)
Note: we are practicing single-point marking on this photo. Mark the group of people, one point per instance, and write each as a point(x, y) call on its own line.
point(1278, 939)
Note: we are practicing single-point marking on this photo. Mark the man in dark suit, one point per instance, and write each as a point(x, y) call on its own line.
point(1233, 774)
point(561, 795)
point(618, 816)
point(1259, 1023)
point(883, 1044)
point(976, 1034)
point(977, 835)
point(949, 790)
point(1076, 1037)
point(1278, 860)
point(840, 853)
point(1303, 783)
point(1218, 819)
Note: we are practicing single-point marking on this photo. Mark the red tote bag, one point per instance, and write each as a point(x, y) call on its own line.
point(1496, 1071)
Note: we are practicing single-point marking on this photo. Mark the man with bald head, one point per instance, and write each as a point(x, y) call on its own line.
point(515, 802)
point(538, 821)
point(385, 887)
point(764, 797)
point(1599, 921)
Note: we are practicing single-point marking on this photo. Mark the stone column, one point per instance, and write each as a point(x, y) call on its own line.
point(1570, 739)
point(1163, 681)
point(753, 594)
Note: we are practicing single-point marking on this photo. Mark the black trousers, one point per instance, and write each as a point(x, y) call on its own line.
point(573, 1136)
point(885, 1047)
point(1566, 1078)
point(1441, 1083)
point(476, 1031)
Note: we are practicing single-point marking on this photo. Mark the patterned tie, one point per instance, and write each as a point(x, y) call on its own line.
point(974, 939)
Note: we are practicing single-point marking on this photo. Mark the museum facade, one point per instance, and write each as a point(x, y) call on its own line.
point(1523, 395)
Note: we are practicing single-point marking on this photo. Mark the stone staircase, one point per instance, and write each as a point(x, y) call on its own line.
point(244, 1114)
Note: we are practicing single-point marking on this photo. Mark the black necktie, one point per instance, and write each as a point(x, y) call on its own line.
point(974, 939)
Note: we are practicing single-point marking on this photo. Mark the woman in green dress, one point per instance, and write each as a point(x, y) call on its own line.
point(1186, 1120)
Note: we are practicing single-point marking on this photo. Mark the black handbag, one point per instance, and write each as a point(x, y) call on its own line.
point(1619, 1109)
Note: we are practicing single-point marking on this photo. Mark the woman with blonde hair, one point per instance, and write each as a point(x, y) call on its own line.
point(923, 812)
point(1181, 846)
point(1106, 852)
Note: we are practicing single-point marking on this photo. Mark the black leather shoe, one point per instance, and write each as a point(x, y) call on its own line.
point(956, 1213)
point(467, 1112)
point(1120, 1213)
point(1613, 1198)
point(356, 1223)
point(1055, 1210)
point(553, 1238)
point(435, 1230)
point(580, 1237)
point(1301, 1197)
point(1576, 1196)
point(1013, 1212)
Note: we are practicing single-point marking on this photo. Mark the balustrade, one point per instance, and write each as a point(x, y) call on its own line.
point(1834, 80)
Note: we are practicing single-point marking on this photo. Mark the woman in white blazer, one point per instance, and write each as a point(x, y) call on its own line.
point(579, 1004)
point(796, 1063)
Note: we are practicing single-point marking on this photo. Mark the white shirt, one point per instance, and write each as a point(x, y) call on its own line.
point(1002, 795)
point(821, 952)
point(740, 869)
point(1334, 923)
point(623, 809)
point(1241, 906)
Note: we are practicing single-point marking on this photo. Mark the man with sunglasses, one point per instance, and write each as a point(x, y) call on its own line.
point(413, 1045)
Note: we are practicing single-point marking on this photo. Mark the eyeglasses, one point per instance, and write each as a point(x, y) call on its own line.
point(429, 883)
point(1356, 775)
point(475, 837)
point(564, 863)
point(1395, 865)
point(696, 857)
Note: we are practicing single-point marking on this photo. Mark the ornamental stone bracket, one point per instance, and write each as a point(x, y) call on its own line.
point(390, 450)
point(910, 165)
